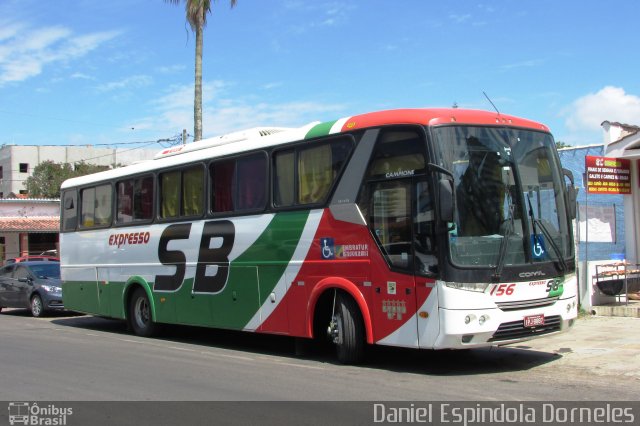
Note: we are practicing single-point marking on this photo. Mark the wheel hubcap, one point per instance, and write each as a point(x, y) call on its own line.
point(142, 312)
point(335, 330)
point(36, 306)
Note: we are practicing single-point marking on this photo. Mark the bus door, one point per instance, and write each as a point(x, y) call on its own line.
point(394, 295)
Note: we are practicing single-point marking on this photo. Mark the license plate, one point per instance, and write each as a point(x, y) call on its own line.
point(534, 320)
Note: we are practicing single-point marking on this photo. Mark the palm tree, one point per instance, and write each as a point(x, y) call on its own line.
point(197, 11)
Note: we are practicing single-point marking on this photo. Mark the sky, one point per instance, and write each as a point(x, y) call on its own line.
point(120, 72)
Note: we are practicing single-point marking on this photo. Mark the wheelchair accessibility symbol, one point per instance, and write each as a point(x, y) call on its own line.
point(327, 248)
point(537, 246)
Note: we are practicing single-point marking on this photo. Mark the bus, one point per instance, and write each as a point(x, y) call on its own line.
point(418, 228)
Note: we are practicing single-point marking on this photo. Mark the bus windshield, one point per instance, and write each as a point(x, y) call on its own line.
point(509, 197)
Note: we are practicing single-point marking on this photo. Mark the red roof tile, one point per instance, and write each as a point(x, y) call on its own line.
point(30, 224)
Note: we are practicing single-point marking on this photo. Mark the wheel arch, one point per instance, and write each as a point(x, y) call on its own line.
point(326, 285)
point(130, 286)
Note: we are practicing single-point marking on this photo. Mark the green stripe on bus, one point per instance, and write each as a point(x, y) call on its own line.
point(321, 129)
point(252, 277)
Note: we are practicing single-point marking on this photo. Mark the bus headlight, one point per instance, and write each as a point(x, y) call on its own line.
point(478, 287)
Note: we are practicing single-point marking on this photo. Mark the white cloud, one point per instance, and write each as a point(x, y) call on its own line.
point(524, 64)
point(223, 114)
point(134, 81)
point(459, 19)
point(609, 103)
point(24, 51)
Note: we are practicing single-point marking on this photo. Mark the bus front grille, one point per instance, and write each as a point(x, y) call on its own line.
point(516, 329)
point(526, 304)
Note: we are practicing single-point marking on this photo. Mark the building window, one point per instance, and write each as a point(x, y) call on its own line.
point(24, 167)
point(1, 173)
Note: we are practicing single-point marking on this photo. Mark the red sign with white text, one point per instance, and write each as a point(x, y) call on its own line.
point(608, 175)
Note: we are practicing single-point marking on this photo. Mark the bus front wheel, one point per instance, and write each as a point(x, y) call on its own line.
point(346, 330)
point(140, 319)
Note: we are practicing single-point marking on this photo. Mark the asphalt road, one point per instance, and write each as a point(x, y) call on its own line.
point(83, 358)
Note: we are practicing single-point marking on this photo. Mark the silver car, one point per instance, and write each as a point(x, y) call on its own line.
point(32, 284)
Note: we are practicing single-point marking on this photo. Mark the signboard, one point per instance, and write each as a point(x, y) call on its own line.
point(608, 175)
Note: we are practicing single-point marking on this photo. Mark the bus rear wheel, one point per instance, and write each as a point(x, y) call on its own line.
point(346, 330)
point(140, 319)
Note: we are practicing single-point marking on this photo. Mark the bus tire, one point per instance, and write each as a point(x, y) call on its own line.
point(349, 339)
point(140, 318)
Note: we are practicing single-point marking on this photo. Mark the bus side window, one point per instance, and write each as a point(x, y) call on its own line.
point(283, 187)
point(239, 184)
point(134, 200)
point(69, 210)
point(96, 206)
point(316, 168)
point(169, 194)
point(251, 177)
point(193, 191)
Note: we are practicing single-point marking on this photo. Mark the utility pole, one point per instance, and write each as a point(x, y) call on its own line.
point(184, 136)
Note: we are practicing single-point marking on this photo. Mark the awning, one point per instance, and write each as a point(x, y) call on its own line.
point(30, 224)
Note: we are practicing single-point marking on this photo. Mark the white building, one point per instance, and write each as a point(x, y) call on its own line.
point(18, 161)
point(623, 141)
point(28, 226)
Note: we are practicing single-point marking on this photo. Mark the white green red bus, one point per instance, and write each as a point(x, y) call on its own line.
point(420, 228)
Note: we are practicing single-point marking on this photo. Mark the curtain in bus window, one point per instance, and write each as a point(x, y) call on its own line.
point(124, 192)
point(170, 189)
point(143, 199)
point(103, 205)
point(222, 177)
point(192, 191)
point(88, 204)
point(284, 173)
point(251, 178)
point(314, 174)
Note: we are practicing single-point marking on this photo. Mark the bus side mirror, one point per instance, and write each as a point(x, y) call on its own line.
point(445, 199)
point(572, 194)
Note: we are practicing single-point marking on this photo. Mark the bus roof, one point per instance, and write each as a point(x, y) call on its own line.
point(262, 137)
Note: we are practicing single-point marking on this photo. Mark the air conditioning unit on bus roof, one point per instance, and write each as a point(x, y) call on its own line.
point(242, 135)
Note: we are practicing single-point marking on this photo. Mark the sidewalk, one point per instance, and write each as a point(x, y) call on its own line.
point(596, 345)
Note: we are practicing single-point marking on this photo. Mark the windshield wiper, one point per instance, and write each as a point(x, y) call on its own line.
point(502, 253)
point(545, 231)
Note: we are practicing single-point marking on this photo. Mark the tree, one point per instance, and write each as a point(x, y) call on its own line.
point(196, 13)
point(48, 176)
point(560, 144)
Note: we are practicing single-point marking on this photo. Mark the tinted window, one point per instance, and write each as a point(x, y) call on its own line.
point(182, 192)
point(306, 174)
point(239, 184)
point(134, 200)
point(69, 211)
point(96, 206)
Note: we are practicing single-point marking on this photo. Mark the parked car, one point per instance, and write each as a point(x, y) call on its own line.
point(32, 257)
point(34, 285)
